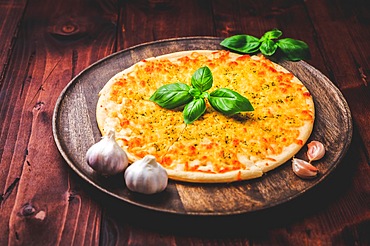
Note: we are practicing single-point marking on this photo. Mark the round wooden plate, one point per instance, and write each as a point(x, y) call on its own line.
point(75, 130)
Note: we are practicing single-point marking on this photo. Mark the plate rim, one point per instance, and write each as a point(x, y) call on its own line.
point(72, 165)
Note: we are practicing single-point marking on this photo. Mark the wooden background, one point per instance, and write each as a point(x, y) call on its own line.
point(44, 44)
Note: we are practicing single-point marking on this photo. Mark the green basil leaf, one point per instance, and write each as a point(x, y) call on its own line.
point(293, 49)
point(194, 110)
point(273, 34)
point(242, 43)
point(268, 47)
point(172, 95)
point(202, 79)
point(229, 102)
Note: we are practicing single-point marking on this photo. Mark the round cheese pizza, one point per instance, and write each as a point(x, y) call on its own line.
point(214, 148)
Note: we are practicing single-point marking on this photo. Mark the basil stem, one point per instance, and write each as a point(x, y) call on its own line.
point(172, 95)
point(268, 47)
point(229, 102)
point(196, 93)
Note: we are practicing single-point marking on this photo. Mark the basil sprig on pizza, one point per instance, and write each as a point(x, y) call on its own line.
point(223, 100)
point(215, 148)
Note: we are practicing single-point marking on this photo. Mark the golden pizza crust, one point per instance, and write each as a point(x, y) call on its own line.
point(108, 117)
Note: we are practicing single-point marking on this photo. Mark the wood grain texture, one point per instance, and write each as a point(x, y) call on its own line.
point(161, 19)
point(352, 27)
point(39, 194)
point(11, 14)
point(44, 44)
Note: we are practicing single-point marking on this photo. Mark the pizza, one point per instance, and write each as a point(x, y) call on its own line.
point(215, 148)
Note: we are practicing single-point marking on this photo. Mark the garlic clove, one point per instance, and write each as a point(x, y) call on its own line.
point(106, 156)
point(304, 169)
point(146, 176)
point(316, 150)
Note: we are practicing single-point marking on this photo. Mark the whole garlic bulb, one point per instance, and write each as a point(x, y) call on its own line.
point(106, 157)
point(316, 150)
point(303, 169)
point(146, 176)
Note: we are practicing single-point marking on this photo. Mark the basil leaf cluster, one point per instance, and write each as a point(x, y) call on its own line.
point(269, 44)
point(194, 97)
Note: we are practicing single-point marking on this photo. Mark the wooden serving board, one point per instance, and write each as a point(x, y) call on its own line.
point(75, 130)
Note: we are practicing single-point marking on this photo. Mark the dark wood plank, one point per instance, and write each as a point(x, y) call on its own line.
point(43, 200)
point(343, 32)
point(10, 18)
point(145, 20)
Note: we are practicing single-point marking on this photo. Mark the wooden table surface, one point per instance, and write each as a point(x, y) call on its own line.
point(44, 44)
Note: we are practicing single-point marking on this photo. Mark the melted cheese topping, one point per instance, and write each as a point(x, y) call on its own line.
point(214, 143)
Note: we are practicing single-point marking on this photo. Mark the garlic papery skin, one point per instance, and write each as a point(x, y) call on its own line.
point(106, 156)
point(316, 150)
point(146, 176)
point(303, 169)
